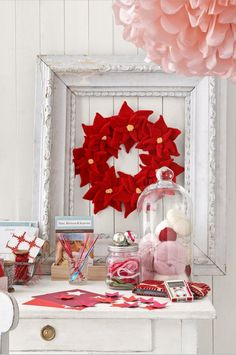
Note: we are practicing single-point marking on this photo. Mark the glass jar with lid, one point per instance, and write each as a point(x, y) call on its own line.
point(123, 267)
point(164, 210)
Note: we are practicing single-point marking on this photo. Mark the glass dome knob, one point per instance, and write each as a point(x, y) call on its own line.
point(164, 174)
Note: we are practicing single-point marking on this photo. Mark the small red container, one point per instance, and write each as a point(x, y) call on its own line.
point(21, 266)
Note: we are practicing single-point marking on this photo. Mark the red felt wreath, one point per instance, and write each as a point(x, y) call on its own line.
point(103, 140)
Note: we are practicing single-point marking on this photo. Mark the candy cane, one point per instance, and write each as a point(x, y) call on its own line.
point(115, 266)
point(130, 267)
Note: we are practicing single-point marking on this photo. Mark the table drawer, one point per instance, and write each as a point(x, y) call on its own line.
point(83, 335)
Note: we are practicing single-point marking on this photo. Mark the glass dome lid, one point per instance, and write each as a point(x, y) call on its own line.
point(161, 199)
point(165, 246)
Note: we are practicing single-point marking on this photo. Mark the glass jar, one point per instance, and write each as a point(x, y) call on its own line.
point(78, 269)
point(164, 210)
point(123, 267)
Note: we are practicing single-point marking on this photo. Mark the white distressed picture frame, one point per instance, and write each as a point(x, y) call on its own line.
point(121, 76)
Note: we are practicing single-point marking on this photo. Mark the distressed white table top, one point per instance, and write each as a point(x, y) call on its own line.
point(200, 309)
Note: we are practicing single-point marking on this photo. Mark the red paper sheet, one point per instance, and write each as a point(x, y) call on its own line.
point(43, 303)
point(156, 305)
point(80, 298)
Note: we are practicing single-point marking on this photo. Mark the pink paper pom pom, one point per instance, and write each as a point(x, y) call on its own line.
point(169, 258)
point(190, 37)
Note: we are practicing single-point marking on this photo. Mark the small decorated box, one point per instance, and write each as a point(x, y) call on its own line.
point(10, 229)
point(178, 290)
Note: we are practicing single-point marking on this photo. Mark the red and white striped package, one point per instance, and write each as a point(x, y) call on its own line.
point(157, 289)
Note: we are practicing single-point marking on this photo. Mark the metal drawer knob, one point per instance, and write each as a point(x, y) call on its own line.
point(48, 333)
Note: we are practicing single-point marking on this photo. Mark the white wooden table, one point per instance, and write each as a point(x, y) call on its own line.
point(9, 316)
point(107, 329)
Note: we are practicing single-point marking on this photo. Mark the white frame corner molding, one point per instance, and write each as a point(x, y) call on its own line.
point(205, 138)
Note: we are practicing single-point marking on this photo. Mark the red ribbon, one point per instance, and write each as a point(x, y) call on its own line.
point(21, 271)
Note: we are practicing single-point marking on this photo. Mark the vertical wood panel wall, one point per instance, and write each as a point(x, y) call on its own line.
point(31, 27)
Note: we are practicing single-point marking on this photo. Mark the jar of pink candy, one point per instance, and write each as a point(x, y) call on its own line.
point(123, 267)
point(164, 210)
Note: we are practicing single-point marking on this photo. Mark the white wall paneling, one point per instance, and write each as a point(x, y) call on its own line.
point(224, 329)
point(27, 47)
point(174, 114)
point(8, 132)
point(52, 26)
point(30, 27)
point(100, 27)
point(76, 27)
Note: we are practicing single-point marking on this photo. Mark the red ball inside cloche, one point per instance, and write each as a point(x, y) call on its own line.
point(167, 234)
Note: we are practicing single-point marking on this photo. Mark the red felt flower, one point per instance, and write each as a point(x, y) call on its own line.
point(102, 192)
point(160, 139)
point(130, 126)
point(89, 164)
point(130, 189)
point(99, 136)
point(98, 124)
point(152, 163)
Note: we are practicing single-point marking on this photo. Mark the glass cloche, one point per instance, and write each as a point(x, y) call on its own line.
point(165, 248)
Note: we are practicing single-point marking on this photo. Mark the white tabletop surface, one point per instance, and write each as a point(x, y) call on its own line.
point(198, 309)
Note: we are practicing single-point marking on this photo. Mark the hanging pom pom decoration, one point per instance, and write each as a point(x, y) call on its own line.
point(189, 37)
